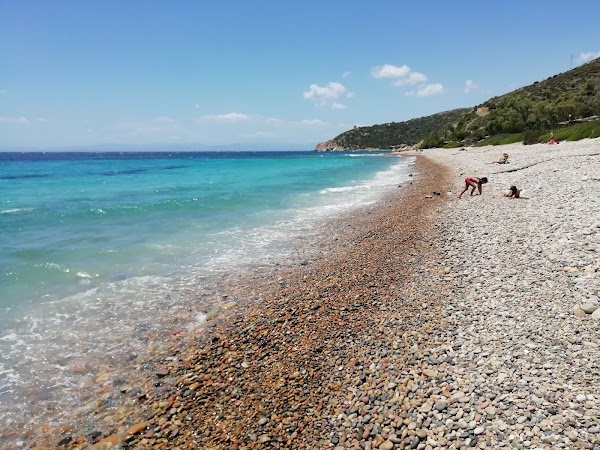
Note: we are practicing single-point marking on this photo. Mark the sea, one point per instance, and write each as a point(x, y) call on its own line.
point(103, 255)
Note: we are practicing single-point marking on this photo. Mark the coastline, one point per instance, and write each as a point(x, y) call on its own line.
point(314, 329)
point(430, 323)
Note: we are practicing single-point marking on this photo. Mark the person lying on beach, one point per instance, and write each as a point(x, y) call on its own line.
point(514, 192)
point(503, 159)
point(473, 182)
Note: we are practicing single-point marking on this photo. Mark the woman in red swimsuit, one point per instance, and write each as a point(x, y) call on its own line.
point(473, 182)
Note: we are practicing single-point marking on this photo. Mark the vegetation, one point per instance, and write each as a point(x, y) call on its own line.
point(526, 115)
point(396, 133)
point(586, 130)
point(501, 139)
point(530, 112)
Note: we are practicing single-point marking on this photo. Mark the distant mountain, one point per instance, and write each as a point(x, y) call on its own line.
point(536, 109)
point(395, 134)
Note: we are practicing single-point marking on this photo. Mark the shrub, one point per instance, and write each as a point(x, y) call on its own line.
point(532, 137)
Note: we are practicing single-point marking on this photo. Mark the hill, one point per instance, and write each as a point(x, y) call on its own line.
point(559, 101)
point(393, 134)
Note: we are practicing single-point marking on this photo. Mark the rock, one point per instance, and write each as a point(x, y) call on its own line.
point(588, 308)
point(440, 405)
point(135, 429)
point(387, 445)
point(262, 421)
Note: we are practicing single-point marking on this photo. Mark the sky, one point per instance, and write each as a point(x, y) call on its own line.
point(83, 73)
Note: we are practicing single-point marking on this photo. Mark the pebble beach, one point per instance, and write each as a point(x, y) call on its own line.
point(421, 322)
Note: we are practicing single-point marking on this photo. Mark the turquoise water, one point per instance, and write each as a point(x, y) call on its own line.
point(96, 247)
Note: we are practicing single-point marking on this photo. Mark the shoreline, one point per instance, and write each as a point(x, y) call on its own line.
point(429, 323)
point(330, 309)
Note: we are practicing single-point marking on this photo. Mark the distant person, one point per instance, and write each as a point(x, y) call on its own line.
point(552, 141)
point(514, 192)
point(474, 183)
point(503, 159)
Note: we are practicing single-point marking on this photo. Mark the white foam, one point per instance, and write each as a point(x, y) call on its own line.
point(85, 275)
point(341, 189)
point(15, 210)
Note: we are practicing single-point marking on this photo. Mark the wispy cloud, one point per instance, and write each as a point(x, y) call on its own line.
point(229, 117)
point(158, 126)
point(313, 122)
point(412, 78)
point(585, 57)
point(338, 106)
point(470, 85)
point(430, 89)
point(426, 90)
point(346, 74)
point(165, 120)
point(15, 120)
point(3, 91)
point(258, 134)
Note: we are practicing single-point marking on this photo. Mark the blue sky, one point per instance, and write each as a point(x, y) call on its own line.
point(81, 73)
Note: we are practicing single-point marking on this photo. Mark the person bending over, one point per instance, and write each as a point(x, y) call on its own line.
point(513, 192)
point(474, 183)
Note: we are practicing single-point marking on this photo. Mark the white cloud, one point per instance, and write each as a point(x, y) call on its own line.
point(404, 76)
point(229, 117)
point(197, 105)
point(273, 121)
point(15, 120)
point(390, 71)
point(346, 74)
point(338, 106)
point(165, 120)
point(331, 91)
point(411, 78)
point(430, 89)
point(585, 57)
point(470, 85)
point(350, 95)
point(258, 134)
point(315, 122)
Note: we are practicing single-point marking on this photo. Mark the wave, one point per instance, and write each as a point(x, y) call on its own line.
point(341, 189)
point(15, 210)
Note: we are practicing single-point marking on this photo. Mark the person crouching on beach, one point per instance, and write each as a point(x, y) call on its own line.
point(513, 192)
point(473, 182)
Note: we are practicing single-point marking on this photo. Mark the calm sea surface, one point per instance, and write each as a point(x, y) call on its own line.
point(98, 248)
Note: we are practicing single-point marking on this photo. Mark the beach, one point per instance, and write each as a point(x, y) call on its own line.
point(423, 321)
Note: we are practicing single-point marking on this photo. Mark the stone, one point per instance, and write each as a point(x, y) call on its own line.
point(135, 429)
point(588, 308)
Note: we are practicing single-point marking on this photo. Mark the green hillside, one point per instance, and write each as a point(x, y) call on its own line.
point(392, 134)
point(529, 113)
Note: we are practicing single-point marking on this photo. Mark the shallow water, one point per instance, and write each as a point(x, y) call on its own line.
point(105, 255)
